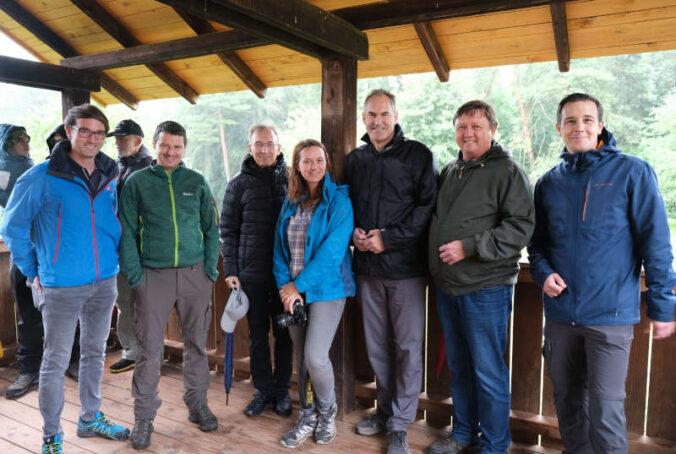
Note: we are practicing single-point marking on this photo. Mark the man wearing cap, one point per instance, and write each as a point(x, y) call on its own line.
point(132, 156)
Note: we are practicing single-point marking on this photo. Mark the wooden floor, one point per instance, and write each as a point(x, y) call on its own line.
point(21, 423)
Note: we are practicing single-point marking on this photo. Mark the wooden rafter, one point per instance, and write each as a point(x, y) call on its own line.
point(231, 59)
point(296, 24)
point(43, 75)
point(120, 33)
point(560, 24)
point(430, 43)
point(60, 46)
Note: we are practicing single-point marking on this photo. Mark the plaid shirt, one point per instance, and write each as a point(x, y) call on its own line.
point(296, 232)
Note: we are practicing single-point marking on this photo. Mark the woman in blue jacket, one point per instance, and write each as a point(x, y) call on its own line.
point(312, 264)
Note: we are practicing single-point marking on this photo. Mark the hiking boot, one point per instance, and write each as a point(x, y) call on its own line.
point(326, 425)
point(283, 405)
point(304, 428)
point(258, 404)
point(372, 425)
point(102, 427)
point(140, 436)
point(205, 418)
point(22, 384)
point(397, 443)
point(73, 370)
point(52, 445)
point(122, 365)
point(450, 445)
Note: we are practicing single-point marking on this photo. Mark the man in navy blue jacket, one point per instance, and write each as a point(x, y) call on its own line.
point(600, 217)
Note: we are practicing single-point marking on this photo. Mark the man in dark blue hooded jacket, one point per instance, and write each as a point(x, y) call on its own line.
point(600, 217)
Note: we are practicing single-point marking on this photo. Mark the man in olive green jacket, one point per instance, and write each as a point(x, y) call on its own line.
point(169, 253)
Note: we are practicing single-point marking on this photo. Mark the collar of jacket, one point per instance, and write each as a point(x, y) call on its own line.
point(398, 138)
point(249, 165)
point(160, 172)
point(494, 152)
point(589, 158)
point(130, 161)
point(61, 165)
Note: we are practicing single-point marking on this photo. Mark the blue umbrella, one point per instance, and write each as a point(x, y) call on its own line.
point(237, 307)
point(227, 363)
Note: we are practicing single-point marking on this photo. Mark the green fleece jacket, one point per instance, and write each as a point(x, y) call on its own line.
point(488, 205)
point(169, 220)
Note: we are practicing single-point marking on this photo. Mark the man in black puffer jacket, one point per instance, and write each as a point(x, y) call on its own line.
point(250, 210)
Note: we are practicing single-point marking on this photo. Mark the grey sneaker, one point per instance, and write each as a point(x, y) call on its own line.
point(326, 425)
point(140, 436)
point(397, 443)
point(22, 384)
point(450, 445)
point(205, 418)
point(304, 428)
point(372, 425)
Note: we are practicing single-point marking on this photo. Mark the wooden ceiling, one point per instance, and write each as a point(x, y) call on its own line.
point(404, 36)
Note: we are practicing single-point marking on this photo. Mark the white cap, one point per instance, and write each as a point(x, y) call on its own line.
point(237, 307)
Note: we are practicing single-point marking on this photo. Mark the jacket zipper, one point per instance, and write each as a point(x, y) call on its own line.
point(58, 232)
point(586, 199)
point(96, 250)
point(173, 214)
point(140, 219)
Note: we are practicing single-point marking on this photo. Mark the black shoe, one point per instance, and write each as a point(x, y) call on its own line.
point(122, 365)
point(22, 384)
point(205, 418)
point(140, 436)
point(397, 443)
point(258, 404)
point(73, 370)
point(283, 405)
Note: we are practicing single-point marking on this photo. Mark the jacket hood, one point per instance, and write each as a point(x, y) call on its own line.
point(131, 161)
point(607, 146)
point(494, 152)
point(6, 131)
point(60, 163)
point(249, 165)
point(398, 137)
point(60, 130)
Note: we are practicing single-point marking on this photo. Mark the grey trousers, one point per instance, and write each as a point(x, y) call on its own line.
point(394, 323)
point(125, 318)
point(313, 343)
point(61, 308)
point(189, 290)
point(588, 367)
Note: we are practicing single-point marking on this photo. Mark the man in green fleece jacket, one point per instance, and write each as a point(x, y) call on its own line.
point(484, 217)
point(169, 253)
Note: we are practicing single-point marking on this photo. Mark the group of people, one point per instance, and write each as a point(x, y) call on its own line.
point(294, 238)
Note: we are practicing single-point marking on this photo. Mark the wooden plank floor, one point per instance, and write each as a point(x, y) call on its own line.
point(21, 422)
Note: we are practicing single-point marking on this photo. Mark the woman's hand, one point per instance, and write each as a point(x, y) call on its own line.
point(289, 293)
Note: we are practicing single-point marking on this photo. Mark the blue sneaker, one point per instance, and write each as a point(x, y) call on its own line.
point(52, 445)
point(102, 427)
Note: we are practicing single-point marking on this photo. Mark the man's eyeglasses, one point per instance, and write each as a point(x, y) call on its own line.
point(23, 138)
point(87, 133)
point(261, 145)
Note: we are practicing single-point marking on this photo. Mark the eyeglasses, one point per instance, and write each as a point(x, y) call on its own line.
point(87, 133)
point(261, 145)
point(24, 138)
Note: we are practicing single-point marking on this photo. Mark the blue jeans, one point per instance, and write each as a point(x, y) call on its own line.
point(475, 330)
point(61, 307)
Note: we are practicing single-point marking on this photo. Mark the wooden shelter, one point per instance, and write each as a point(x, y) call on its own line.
point(144, 49)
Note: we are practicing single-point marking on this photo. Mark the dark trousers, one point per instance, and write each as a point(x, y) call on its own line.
point(264, 306)
point(29, 326)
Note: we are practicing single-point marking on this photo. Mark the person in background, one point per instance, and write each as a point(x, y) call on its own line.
point(56, 136)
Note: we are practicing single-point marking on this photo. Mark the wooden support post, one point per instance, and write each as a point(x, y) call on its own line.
point(71, 98)
point(560, 25)
point(339, 134)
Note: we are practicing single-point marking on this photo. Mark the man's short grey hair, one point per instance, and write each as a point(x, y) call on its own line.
point(263, 125)
point(381, 92)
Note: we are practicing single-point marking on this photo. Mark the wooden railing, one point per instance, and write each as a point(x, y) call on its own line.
point(533, 415)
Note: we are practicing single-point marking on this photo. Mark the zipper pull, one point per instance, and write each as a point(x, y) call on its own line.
point(460, 173)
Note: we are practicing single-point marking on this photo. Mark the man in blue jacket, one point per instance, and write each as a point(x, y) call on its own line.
point(600, 217)
point(61, 228)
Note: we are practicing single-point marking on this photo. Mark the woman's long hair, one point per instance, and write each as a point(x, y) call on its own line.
point(297, 185)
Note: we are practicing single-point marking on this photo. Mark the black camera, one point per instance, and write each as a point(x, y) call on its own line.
point(299, 316)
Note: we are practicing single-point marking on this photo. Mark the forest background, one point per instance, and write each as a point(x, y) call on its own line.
point(638, 93)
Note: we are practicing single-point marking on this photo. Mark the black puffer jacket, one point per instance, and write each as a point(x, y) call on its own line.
point(250, 210)
point(131, 164)
point(393, 190)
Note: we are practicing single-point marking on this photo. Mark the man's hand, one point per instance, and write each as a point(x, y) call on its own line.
point(288, 294)
point(233, 282)
point(359, 239)
point(36, 284)
point(662, 330)
point(452, 252)
point(554, 285)
point(375, 241)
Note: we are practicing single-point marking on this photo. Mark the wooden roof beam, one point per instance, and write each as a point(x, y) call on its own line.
point(430, 43)
point(296, 24)
point(43, 75)
point(231, 59)
point(118, 31)
point(560, 24)
point(60, 46)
